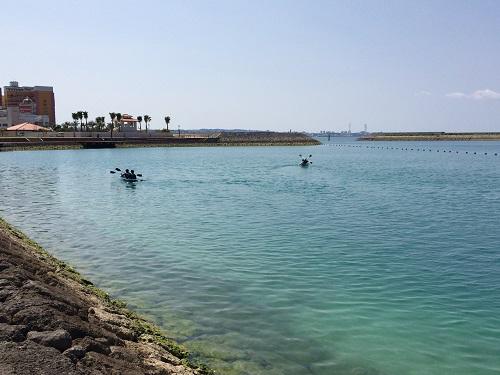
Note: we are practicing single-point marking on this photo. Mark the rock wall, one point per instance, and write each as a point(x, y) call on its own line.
point(53, 321)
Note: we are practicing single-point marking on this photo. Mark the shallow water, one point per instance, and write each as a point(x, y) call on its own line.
point(374, 260)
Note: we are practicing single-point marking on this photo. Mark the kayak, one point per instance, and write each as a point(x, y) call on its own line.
point(305, 161)
point(129, 179)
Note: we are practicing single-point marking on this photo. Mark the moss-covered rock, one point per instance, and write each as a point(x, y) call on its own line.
point(53, 296)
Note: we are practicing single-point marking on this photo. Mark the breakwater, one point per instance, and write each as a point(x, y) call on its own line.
point(52, 320)
point(266, 139)
point(30, 142)
point(431, 136)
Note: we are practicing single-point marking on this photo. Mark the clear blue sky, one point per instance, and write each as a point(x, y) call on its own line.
point(278, 65)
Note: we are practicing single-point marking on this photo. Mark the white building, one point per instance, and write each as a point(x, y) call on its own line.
point(25, 112)
point(127, 123)
point(4, 123)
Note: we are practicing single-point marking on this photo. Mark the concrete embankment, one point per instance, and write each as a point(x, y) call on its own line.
point(431, 136)
point(53, 321)
point(220, 139)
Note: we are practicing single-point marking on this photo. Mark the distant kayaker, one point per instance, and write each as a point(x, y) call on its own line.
point(126, 174)
point(132, 175)
point(305, 161)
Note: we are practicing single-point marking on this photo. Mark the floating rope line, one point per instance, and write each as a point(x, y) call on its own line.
point(411, 149)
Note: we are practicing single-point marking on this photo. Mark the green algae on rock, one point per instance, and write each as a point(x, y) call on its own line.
point(62, 319)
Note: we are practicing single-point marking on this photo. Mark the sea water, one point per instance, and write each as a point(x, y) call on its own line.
point(379, 258)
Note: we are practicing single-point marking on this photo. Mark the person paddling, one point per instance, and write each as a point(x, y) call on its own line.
point(128, 175)
point(305, 161)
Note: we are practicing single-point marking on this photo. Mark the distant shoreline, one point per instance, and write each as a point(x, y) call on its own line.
point(431, 136)
point(224, 139)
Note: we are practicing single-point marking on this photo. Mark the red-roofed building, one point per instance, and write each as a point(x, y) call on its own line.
point(27, 127)
point(127, 123)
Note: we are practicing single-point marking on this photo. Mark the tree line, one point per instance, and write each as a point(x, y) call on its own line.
point(99, 124)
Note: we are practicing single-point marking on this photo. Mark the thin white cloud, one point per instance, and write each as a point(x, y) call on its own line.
point(476, 95)
point(423, 93)
point(456, 95)
point(485, 94)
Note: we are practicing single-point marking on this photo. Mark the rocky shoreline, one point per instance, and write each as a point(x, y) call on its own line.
point(53, 321)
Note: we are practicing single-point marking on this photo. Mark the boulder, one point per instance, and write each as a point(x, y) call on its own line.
point(59, 339)
point(92, 345)
point(75, 353)
point(30, 358)
point(13, 332)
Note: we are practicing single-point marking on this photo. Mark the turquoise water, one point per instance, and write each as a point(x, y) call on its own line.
point(374, 260)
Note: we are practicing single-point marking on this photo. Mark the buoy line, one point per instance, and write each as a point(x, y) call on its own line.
point(411, 149)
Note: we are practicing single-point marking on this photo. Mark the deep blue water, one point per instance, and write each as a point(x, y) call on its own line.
point(374, 260)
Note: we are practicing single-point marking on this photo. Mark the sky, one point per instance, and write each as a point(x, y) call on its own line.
point(267, 65)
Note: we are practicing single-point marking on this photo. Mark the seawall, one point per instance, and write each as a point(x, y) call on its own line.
point(54, 321)
point(30, 142)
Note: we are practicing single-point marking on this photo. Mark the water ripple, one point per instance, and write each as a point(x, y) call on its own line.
point(371, 261)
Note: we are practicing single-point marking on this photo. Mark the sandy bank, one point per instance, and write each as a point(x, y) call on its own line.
point(53, 321)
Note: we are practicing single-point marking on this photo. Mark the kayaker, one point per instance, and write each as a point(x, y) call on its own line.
point(126, 174)
point(305, 161)
point(132, 175)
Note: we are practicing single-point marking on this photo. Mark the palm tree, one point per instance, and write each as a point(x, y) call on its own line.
point(85, 116)
point(112, 115)
point(74, 115)
point(118, 119)
point(80, 116)
point(98, 121)
point(139, 119)
point(167, 121)
point(147, 119)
